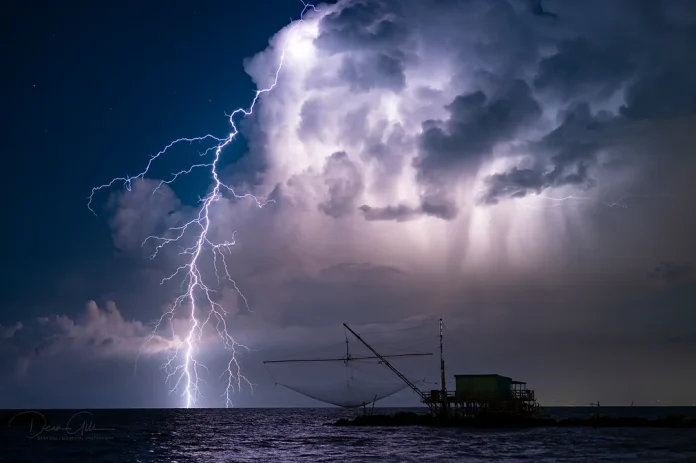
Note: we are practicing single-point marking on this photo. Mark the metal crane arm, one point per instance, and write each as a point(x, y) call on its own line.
point(391, 367)
point(345, 359)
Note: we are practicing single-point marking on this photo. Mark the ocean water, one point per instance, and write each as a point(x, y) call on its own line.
point(301, 435)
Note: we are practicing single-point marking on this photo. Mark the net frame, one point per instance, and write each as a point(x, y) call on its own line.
point(356, 392)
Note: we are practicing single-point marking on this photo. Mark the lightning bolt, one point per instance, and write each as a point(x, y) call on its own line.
point(182, 367)
point(622, 202)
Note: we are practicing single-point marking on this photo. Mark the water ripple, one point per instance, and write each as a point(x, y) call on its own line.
point(291, 435)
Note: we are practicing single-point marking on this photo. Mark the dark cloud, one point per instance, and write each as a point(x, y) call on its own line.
point(400, 213)
point(662, 85)
point(634, 49)
point(661, 93)
point(372, 28)
point(475, 126)
point(582, 69)
point(360, 24)
point(378, 70)
point(572, 149)
point(344, 184)
point(439, 207)
point(515, 183)
point(672, 272)
point(433, 207)
point(514, 48)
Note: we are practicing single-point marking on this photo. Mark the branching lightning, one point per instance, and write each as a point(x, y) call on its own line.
point(623, 202)
point(559, 201)
point(182, 367)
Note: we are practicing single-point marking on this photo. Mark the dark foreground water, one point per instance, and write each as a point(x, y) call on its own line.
point(289, 435)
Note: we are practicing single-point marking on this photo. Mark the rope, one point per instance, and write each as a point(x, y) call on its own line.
point(275, 383)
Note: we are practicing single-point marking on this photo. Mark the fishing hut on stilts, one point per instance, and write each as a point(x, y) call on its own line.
point(476, 396)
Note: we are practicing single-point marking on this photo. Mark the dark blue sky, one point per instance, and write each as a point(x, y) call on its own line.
point(88, 94)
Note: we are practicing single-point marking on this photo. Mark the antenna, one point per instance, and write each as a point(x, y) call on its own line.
point(443, 389)
point(348, 357)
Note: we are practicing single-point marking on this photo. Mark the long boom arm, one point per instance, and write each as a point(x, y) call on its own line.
point(391, 367)
point(345, 359)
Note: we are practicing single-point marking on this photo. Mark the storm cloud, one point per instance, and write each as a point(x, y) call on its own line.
point(493, 147)
point(465, 159)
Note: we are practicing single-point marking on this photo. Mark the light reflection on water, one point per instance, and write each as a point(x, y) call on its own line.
point(288, 435)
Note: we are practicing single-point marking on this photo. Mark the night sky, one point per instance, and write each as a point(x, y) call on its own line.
point(89, 94)
point(524, 172)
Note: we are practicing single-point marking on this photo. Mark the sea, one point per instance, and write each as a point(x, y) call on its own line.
point(303, 435)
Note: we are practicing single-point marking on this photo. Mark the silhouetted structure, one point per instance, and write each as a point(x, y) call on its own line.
point(487, 395)
point(475, 396)
point(352, 391)
point(491, 401)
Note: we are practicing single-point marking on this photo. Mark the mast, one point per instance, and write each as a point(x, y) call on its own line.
point(443, 389)
point(422, 395)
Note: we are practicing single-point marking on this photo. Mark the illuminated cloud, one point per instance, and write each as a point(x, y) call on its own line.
point(98, 333)
point(462, 159)
point(492, 142)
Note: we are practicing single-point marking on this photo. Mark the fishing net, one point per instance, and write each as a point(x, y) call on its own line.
point(348, 374)
point(351, 383)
